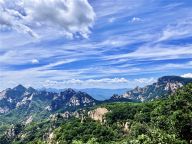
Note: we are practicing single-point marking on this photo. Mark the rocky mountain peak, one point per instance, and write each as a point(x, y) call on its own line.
point(68, 91)
point(31, 90)
point(67, 94)
point(137, 89)
point(19, 88)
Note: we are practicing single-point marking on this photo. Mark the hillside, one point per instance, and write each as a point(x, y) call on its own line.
point(160, 121)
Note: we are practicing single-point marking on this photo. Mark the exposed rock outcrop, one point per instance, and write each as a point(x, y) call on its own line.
point(98, 114)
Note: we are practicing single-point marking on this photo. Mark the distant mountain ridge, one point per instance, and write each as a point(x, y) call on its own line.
point(103, 94)
point(96, 93)
point(163, 87)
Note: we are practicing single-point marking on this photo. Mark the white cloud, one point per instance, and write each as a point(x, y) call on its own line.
point(187, 75)
point(111, 20)
point(136, 19)
point(34, 61)
point(146, 80)
point(71, 17)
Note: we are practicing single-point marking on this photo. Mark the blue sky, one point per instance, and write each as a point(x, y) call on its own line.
point(95, 43)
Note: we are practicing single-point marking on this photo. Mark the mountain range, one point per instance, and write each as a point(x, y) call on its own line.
point(21, 97)
point(21, 104)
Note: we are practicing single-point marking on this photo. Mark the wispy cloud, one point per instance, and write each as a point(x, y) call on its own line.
point(156, 52)
point(181, 29)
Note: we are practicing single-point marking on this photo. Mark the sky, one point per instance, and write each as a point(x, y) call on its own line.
point(93, 43)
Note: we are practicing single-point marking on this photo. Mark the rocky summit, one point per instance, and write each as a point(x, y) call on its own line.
point(163, 87)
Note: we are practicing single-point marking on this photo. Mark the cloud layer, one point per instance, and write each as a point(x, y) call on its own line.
point(69, 17)
point(187, 75)
point(98, 83)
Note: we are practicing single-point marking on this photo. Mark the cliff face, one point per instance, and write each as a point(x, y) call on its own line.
point(162, 88)
point(98, 114)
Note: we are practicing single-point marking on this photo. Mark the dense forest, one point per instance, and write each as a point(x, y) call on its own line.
point(165, 121)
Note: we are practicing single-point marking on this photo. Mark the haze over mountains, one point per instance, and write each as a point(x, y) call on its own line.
point(96, 93)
